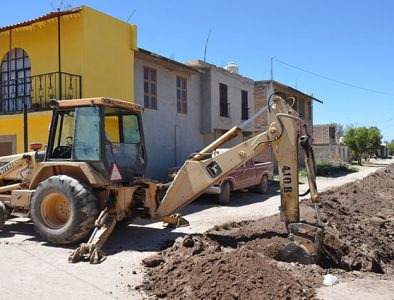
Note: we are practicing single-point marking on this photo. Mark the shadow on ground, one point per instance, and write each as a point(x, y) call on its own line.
point(140, 234)
point(337, 174)
point(237, 199)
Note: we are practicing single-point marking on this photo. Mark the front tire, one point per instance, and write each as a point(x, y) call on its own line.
point(63, 210)
point(262, 188)
point(224, 196)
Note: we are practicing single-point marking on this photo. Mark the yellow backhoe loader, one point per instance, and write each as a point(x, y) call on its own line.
point(91, 175)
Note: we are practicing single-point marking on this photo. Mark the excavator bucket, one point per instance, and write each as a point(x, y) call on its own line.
point(304, 245)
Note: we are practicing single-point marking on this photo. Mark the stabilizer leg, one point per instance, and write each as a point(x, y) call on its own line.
point(91, 250)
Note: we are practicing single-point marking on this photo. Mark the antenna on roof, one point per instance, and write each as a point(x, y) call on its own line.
point(206, 46)
point(132, 13)
point(60, 7)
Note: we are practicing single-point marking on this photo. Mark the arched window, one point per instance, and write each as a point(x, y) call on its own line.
point(15, 81)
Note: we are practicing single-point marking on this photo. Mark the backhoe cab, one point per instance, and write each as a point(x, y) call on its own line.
point(105, 133)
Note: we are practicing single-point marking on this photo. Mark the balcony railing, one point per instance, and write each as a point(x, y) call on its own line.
point(36, 91)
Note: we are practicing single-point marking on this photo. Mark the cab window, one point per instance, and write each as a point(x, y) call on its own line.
point(63, 140)
point(86, 145)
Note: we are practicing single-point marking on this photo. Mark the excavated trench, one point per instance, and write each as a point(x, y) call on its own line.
point(239, 260)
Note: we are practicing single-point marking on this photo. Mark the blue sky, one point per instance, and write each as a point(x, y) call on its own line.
point(351, 42)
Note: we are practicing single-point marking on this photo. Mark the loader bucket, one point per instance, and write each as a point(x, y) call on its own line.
point(304, 245)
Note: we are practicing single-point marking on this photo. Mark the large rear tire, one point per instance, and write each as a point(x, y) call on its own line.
point(224, 196)
point(63, 210)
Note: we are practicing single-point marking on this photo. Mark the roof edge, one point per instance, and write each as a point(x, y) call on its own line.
point(45, 17)
point(168, 60)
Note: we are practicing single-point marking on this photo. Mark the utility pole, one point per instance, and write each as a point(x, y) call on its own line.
point(59, 54)
point(272, 67)
point(206, 46)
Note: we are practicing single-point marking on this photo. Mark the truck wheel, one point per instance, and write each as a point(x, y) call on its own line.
point(263, 186)
point(2, 214)
point(224, 196)
point(63, 210)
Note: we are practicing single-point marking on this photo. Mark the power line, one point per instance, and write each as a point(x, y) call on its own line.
point(331, 79)
point(382, 122)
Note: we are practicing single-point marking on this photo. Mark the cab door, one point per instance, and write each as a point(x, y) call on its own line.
point(124, 149)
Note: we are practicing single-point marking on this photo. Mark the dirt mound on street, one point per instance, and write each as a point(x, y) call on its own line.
point(360, 224)
point(235, 262)
point(238, 260)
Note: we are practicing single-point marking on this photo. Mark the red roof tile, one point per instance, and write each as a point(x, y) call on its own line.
point(42, 18)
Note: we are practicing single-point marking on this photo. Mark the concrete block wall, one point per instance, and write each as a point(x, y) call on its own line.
point(170, 137)
point(211, 77)
point(331, 153)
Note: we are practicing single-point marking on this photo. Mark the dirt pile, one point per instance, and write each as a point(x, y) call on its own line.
point(238, 260)
point(360, 224)
point(230, 262)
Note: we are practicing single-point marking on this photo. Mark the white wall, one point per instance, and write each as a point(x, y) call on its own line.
point(235, 84)
point(170, 137)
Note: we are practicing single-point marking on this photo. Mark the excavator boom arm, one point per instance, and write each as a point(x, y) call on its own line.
point(285, 133)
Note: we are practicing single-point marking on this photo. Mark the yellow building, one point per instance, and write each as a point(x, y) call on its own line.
point(62, 55)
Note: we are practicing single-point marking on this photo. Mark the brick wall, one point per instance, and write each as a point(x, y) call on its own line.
point(260, 100)
point(261, 122)
point(320, 135)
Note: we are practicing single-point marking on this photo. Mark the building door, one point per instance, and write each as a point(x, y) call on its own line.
point(15, 81)
point(7, 145)
point(5, 149)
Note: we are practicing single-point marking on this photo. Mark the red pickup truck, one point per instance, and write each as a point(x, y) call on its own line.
point(249, 175)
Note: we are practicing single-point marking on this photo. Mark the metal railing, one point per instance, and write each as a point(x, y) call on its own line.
point(36, 91)
point(224, 109)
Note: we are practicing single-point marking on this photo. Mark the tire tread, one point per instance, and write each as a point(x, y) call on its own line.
point(85, 209)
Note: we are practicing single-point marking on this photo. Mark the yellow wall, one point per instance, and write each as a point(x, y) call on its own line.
point(108, 62)
point(95, 46)
point(38, 125)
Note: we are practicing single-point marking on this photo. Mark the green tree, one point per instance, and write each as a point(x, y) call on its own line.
point(390, 146)
point(351, 141)
point(374, 139)
point(362, 141)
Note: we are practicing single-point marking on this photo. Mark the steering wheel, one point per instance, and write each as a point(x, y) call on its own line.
point(67, 151)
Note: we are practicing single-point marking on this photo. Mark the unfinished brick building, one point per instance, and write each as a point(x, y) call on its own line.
point(328, 147)
point(302, 104)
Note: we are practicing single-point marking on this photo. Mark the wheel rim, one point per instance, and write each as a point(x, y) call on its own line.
point(55, 210)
